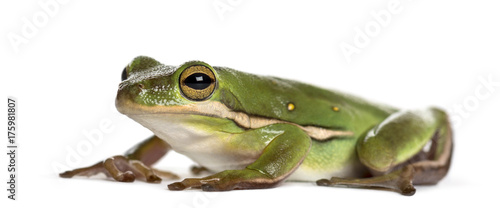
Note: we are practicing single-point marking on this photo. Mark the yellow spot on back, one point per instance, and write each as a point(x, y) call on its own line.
point(336, 109)
point(291, 106)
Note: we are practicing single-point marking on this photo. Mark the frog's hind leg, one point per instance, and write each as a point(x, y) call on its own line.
point(411, 147)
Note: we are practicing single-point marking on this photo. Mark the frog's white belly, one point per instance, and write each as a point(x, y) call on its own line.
point(205, 148)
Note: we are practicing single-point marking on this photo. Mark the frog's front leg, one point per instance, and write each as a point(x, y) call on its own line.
point(278, 160)
point(407, 148)
point(133, 164)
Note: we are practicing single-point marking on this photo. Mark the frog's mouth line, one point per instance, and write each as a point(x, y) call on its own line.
point(219, 110)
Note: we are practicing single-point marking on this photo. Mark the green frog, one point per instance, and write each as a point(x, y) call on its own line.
point(254, 132)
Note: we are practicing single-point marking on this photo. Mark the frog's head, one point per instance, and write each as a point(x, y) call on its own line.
point(183, 103)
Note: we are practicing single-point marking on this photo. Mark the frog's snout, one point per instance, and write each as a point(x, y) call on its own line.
point(126, 96)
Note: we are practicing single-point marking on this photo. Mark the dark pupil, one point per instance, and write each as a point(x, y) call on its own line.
point(198, 81)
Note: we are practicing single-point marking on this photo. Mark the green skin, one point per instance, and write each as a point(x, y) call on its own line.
point(255, 132)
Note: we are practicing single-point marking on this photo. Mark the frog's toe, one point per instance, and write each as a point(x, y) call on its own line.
point(126, 176)
point(334, 181)
point(153, 179)
point(408, 190)
point(86, 171)
point(67, 174)
point(323, 182)
point(177, 186)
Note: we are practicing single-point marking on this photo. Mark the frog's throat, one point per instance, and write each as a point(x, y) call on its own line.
point(219, 110)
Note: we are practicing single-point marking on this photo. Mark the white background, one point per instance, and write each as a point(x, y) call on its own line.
point(65, 76)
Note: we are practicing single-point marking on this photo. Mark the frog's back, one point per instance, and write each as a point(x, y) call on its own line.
point(299, 103)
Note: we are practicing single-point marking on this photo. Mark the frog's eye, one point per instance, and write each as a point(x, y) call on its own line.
point(124, 74)
point(197, 82)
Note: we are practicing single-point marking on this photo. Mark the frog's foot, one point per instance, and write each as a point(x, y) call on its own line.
point(121, 169)
point(399, 181)
point(198, 170)
point(227, 180)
